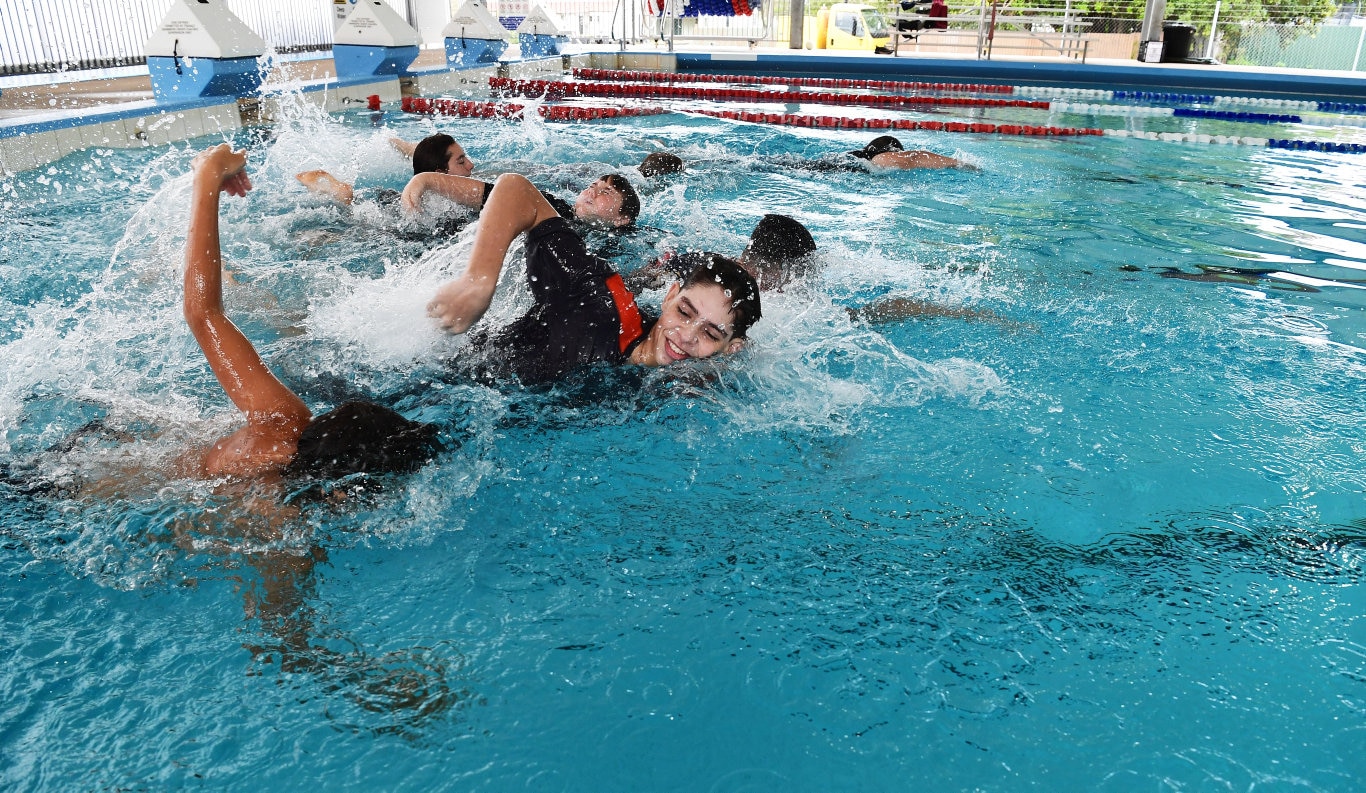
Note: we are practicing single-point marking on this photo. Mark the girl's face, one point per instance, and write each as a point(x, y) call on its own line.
point(693, 323)
point(457, 162)
point(601, 203)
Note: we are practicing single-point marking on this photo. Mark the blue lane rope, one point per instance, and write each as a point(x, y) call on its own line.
point(1317, 145)
point(1158, 96)
point(1231, 115)
point(1348, 108)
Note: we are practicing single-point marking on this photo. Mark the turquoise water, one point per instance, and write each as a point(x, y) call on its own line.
point(1105, 535)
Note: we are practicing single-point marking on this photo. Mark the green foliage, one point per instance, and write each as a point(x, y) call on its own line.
point(1198, 12)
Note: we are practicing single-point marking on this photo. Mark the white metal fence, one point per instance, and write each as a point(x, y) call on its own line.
point(52, 35)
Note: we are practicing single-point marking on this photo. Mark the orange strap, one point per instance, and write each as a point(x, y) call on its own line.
point(627, 312)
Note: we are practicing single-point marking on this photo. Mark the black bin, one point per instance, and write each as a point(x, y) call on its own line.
point(1177, 38)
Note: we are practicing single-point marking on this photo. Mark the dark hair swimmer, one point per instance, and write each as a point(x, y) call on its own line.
point(887, 152)
point(583, 312)
point(281, 433)
point(660, 163)
point(437, 153)
point(778, 248)
point(610, 202)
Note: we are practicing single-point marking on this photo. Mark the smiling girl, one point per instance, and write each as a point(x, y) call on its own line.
point(583, 312)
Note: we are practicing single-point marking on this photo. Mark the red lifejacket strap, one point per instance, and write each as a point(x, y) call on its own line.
point(627, 311)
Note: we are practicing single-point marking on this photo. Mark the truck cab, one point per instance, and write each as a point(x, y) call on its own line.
point(851, 26)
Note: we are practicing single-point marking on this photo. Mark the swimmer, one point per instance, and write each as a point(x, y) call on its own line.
point(281, 433)
point(887, 152)
point(660, 163)
point(434, 153)
point(583, 312)
point(609, 203)
point(780, 249)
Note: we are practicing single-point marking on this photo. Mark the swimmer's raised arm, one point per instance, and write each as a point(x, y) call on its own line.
point(462, 190)
point(406, 148)
point(275, 415)
point(514, 206)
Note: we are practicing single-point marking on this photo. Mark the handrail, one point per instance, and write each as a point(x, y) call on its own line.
point(993, 20)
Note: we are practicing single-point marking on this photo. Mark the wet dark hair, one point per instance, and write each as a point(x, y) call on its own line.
point(430, 154)
point(879, 145)
point(630, 202)
point(661, 163)
point(738, 285)
point(362, 437)
point(779, 238)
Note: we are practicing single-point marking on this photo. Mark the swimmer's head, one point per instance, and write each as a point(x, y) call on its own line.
point(610, 201)
point(441, 154)
point(661, 163)
point(739, 287)
point(708, 313)
point(777, 250)
point(362, 437)
point(878, 145)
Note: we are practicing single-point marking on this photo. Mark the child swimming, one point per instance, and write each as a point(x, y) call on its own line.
point(281, 433)
point(583, 312)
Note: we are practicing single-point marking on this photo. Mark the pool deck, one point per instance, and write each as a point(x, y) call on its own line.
point(44, 117)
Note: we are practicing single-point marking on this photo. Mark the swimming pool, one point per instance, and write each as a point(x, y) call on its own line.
point(1108, 537)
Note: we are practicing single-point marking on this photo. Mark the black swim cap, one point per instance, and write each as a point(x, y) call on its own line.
point(661, 163)
point(779, 238)
point(362, 437)
point(878, 145)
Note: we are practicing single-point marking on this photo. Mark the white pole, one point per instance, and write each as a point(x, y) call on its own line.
point(1213, 30)
point(1357, 56)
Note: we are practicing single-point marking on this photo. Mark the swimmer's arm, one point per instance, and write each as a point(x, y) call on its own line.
point(462, 190)
point(406, 148)
point(895, 309)
point(513, 207)
point(252, 387)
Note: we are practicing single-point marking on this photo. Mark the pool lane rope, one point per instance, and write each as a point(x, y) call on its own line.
point(1308, 106)
point(555, 89)
point(621, 75)
point(1178, 112)
point(840, 122)
point(471, 109)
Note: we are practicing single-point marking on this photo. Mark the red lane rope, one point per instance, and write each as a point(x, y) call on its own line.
point(559, 90)
point(841, 122)
point(619, 75)
point(469, 109)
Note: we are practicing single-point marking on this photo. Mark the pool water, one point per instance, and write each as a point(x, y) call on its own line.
point(1104, 534)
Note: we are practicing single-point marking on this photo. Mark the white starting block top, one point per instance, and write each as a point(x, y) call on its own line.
point(373, 23)
point(474, 21)
point(202, 29)
point(541, 21)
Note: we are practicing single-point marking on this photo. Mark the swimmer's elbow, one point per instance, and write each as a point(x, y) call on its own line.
point(200, 317)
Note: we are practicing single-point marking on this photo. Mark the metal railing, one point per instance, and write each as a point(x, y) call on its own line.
point(38, 36)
